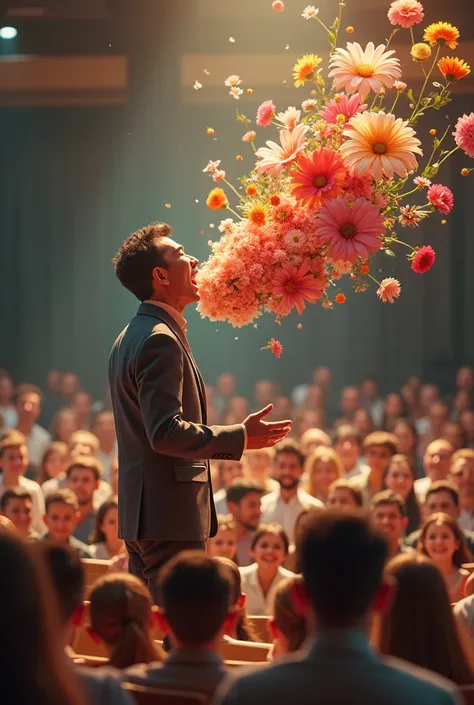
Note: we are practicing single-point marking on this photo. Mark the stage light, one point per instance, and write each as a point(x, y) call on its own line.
point(8, 32)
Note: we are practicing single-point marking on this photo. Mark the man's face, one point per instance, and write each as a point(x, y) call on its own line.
point(437, 459)
point(28, 406)
point(441, 501)
point(19, 511)
point(83, 483)
point(350, 400)
point(322, 376)
point(6, 391)
point(226, 384)
point(104, 427)
point(390, 521)
point(287, 470)
point(179, 276)
point(348, 450)
point(378, 458)
point(248, 511)
point(465, 378)
point(438, 415)
point(69, 384)
point(231, 469)
point(61, 520)
point(82, 403)
point(264, 392)
point(370, 389)
point(14, 461)
point(54, 381)
point(462, 474)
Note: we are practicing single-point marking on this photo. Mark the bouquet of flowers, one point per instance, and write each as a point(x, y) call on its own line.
point(330, 192)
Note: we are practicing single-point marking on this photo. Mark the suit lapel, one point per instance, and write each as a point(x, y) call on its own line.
point(165, 317)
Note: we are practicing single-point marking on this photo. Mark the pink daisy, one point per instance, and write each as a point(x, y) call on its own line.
point(318, 177)
point(464, 134)
point(249, 136)
point(405, 13)
point(409, 217)
point(265, 113)
point(211, 167)
point(360, 70)
point(423, 260)
point(359, 186)
point(422, 182)
point(218, 175)
point(294, 286)
point(340, 111)
point(441, 197)
point(389, 290)
point(351, 230)
point(274, 157)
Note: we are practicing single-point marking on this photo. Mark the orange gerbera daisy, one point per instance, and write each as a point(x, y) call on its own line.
point(442, 32)
point(304, 68)
point(318, 177)
point(453, 69)
point(257, 215)
point(216, 199)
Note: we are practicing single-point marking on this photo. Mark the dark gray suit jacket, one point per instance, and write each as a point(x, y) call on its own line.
point(164, 444)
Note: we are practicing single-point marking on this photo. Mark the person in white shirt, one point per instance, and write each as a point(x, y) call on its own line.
point(285, 504)
point(260, 580)
point(244, 501)
point(348, 446)
point(28, 409)
point(7, 410)
point(13, 464)
point(462, 475)
point(104, 430)
point(228, 471)
point(436, 463)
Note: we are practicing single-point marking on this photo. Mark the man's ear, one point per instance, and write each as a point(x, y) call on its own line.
point(274, 631)
point(230, 621)
point(241, 601)
point(299, 597)
point(385, 595)
point(78, 615)
point(162, 622)
point(160, 276)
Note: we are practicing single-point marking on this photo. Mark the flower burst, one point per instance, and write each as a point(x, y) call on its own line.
point(405, 13)
point(339, 111)
point(318, 177)
point(423, 260)
point(310, 12)
point(360, 70)
point(441, 197)
point(442, 33)
point(389, 290)
point(381, 144)
point(294, 286)
point(453, 69)
point(274, 158)
point(305, 68)
point(249, 136)
point(275, 347)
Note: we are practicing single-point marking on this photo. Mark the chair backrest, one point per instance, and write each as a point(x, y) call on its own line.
point(161, 696)
point(468, 694)
point(93, 569)
point(261, 626)
point(244, 651)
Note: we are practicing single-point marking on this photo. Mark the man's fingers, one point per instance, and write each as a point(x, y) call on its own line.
point(263, 412)
point(277, 424)
point(279, 431)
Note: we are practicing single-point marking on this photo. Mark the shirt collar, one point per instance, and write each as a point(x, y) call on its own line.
point(172, 312)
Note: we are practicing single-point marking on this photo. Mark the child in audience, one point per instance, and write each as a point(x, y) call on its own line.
point(443, 541)
point(224, 543)
point(17, 505)
point(400, 478)
point(122, 617)
point(242, 629)
point(53, 464)
point(288, 625)
point(269, 550)
point(343, 495)
point(105, 541)
point(61, 517)
point(323, 467)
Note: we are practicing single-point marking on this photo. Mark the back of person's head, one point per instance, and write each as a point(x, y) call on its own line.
point(240, 488)
point(289, 621)
point(385, 497)
point(243, 629)
point(342, 559)
point(11, 439)
point(381, 438)
point(85, 462)
point(419, 626)
point(37, 671)
point(195, 592)
point(121, 616)
point(68, 578)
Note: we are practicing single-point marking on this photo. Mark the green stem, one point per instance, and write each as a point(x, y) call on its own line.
point(395, 239)
point(391, 37)
point(374, 279)
point(337, 31)
point(395, 101)
point(234, 212)
point(239, 196)
point(413, 44)
point(448, 155)
point(440, 141)
point(408, 193)
point(322, 24)
point(427, 78)
point(253, 146)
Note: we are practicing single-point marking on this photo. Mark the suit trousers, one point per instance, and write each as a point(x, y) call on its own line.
point(146, 558)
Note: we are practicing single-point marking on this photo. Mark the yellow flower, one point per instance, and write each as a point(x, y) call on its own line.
point(216, 199)
point(442, 32)
point(453, 69)
point(257, 215)
point(420, 51)
point(304, 69)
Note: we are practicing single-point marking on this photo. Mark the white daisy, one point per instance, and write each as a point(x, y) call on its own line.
point(232, 81)
point(236, 92)
point(310, 12)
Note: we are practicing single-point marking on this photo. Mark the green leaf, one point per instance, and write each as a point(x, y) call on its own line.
point(389, 252)
point(332, 38)
point(410, 95)
point(430, 171)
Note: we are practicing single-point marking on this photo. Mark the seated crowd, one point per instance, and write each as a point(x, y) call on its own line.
point(337, 543)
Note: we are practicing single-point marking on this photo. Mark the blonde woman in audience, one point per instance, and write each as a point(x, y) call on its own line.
point(400, 478)
point(288, 625)
point(323, 467)
point(419, 625)
point(443, 541)
point(269, 550)
point(105, 541)
point(54, 462)
point(243, 630)
point(122, 617)
point(34, 669)
point(259, 468)
point(224, 543)
point(312, 439)
point(344, 495)
point(64, 424)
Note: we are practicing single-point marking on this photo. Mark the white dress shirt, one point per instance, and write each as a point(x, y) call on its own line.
point(37, 498)
point(256, 602)
point(38, 443)
point(421, 487)
point(276, 511)
point(466, 519)
point(106, 460)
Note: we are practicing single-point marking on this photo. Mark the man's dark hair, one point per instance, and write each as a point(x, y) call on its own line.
point(62, 496)
point(443, 486)
point(24, 389)
point(67, 576)
point(290, 447)
point(195, 592)
point(381, 438)
point(138, 256)
point(342, 560)
point(346, 432)
point(14, 493)
point(240, 488)
point(389, 497)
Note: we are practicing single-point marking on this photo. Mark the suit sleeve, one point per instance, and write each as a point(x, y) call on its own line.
point(159, 375)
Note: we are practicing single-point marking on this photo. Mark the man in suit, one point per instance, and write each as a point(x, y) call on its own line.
point(342, 558)
point(195, 621)
point(158, 398)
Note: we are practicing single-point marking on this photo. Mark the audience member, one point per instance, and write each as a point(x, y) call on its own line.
point(284, 505)
point(289, 625)
point(464, 614)
point(453, 433)
point(195, 621)
point(371, 399)
point(313, 438)
point(81, 404)
point(53, 464)
point(122, 618)
point(224, 543)
point(362, 422)
point(400, 478)
point(462, 474)
point(242, 629)
point(228, 471)
point(438, 416)
point(419, 626)
point(292, 561)
point(17, 505)
point(61, 517)
point(244, 500)
point(348, 446)
point(105, 541)
point(343, 558)
point(269, 550)
point(387, 510)
point(259, 468)
point(104, 430)
point(63, 425)
point(13, 465)
point(322, 468)
point(349, 403)
point(429, 394)
point(7, 408)
point(378, 447)
point(306, 419)
point(82, 477)
point(28, 409)
point(394, 409)
point(407, 437)
point(442, 540)
point(466, 419)
point(436, 462)
point(226, 387)
point(343, 495)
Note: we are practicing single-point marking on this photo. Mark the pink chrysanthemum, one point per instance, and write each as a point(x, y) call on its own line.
point(409, 217)
point(340, 111)
point(389, 290)
point(360, 70)
point(318, 177)
point(275, 347)
point(405, 13)
point(441, 197)
point(464, 134)
point(423, 260)
point(265, 113)
point(351, 230)
point(294, 286)
point(274, 157)
point(359, 186)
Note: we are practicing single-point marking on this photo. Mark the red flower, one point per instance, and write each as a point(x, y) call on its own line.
point(441, 197)
point(423, 260)
point(275, 347)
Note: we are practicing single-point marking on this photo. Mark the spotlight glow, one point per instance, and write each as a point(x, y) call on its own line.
point(8, 32)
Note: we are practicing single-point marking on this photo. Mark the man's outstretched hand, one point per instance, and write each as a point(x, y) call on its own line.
point(262, 434)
